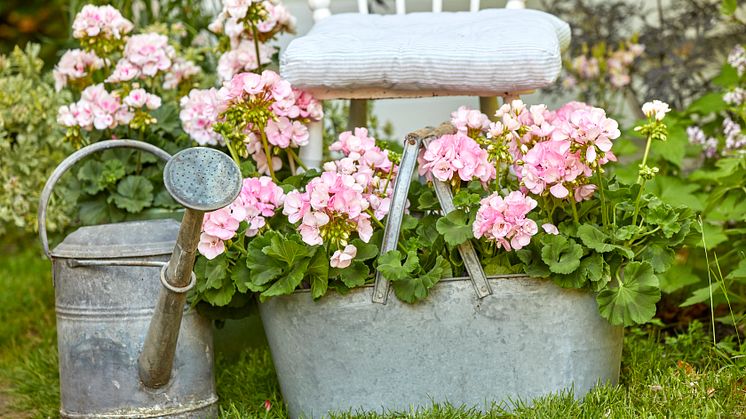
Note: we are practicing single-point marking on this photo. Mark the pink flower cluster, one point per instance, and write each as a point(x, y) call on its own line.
point(556, 152)
point(100, 21)
point(96, 108)
point(243, 58)
point(503, 220)
point(618, 66)
point(233, 23)
point(75, 64)
point(258, 200)
point(139, 98)
point(332, 208)
point(144, 56)
point(199, 111)
point(369, 165)
point(469, 120)
point(456, 155)
point(285, 128)
point(180, 71)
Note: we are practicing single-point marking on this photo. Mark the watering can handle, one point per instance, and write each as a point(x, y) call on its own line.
point(412, 145)
point(66, 164)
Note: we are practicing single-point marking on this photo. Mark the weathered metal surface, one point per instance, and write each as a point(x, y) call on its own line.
point(66, 164)
point(396, 212)
point(412, 146)
point(103, 314)
point(528, 339)
point(202, 179)
point(107, 279)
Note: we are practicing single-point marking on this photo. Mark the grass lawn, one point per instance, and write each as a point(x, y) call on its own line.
point(682, 376)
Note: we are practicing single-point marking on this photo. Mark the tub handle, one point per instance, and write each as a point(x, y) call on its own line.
point(412, 145)
point(69, 162)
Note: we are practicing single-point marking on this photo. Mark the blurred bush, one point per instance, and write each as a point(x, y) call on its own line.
point(31, 145)
point(47, 22)
point(685, 43)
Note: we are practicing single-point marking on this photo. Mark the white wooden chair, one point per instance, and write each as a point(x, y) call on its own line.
point(360, 56)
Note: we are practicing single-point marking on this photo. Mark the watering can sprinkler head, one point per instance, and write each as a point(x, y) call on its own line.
point(201, 179)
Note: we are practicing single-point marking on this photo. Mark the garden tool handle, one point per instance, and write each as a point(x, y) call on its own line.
point(404, 176)
point(71, 160)
point(157, 357)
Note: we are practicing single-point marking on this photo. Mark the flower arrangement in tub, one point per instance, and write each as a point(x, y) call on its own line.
point(531, 187)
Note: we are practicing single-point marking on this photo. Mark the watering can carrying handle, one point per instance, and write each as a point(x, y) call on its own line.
point(69, 162)
point(412, 145)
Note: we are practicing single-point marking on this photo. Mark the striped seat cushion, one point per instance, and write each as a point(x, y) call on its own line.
point(472, 53)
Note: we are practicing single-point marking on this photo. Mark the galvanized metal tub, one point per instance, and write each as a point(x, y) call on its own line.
point(103, 310)
point(528, 339)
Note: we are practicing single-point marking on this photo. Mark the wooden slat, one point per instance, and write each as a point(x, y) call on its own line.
point(474, 5)
point(437, 6)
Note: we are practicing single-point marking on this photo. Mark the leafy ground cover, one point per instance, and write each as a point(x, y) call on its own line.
point(680, 375)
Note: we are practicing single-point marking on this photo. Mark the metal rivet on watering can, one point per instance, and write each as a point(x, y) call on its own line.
point(201, 179)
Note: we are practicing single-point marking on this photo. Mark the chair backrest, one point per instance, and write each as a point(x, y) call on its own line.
point(320, 8)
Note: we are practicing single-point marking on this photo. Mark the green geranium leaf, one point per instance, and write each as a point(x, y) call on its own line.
point(318, 273)
point(427, 200)
point(677, 277)
point(216, 270)
point(263, 268)
point(133, 193)
point(389, 264)
point(533, 266)
point(426, 229)
point(632, 300)
point(96, 211)
point(241, 277)
point(561, 254)
point(464, 198)
point(659, 256)
point(707, 104)
point(704, 294)
point(288, 282)
point(594, 238)
point(412, 289)
point(597, 240)
point(221, 295)
point(626, 232)
point(354, 275)
point(408, 222)
point(288, 249)
point(455, 227)
point(365, 251)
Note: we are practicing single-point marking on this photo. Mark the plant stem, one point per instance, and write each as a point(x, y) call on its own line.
point(574, 210)
point(265, 144)
point(256, 47)
point(645, 158)
point(297, 159)
point(604, 211)
point(637, 203)
point(233, 152)
point(291, 162)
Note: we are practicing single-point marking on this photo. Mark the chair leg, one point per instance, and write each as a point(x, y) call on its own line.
point(313, 153)
point(358, 114)
point(488, 106)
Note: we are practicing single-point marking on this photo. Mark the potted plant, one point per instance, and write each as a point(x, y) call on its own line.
point(572, 253)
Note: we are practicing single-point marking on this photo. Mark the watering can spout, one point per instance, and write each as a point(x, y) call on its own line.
point(202, 180)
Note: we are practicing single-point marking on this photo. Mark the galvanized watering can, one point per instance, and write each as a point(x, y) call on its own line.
point(124, 350)
point(475, 340)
